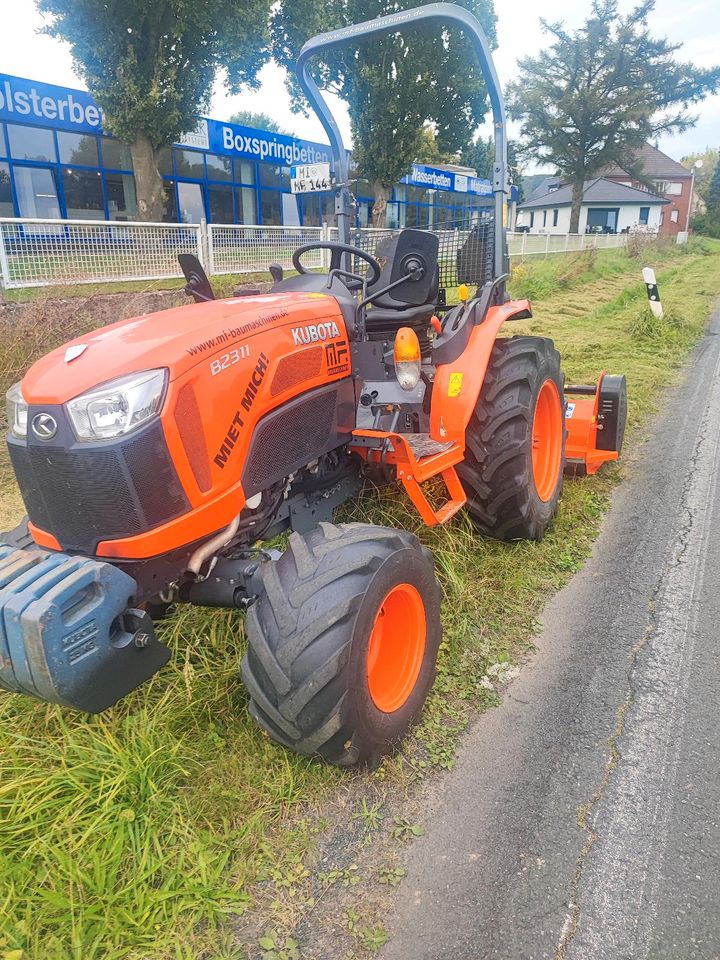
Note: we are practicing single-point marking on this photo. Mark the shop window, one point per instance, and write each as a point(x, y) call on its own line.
point(116, 155)
point(246, 205)
point(190, 163)
point(218, 168)
point(31, 143)
point(121, 197)
point(312, 213)
point(3, 141)
point(270, 176)
point(37, 192)
point(644, 214)
point(190, 202)
point(290, 212)
point(221, 204)
point(164, 162)
point(271, 208)
point(277, 177)
point(6, 199)
point(244, 171)
point(169, 202)
point(423, 216)
point(411, 217)
point(83, 195)
point(74, 148)
point(392, 215)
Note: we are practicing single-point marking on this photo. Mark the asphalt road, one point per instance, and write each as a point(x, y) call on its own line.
point(582, 818)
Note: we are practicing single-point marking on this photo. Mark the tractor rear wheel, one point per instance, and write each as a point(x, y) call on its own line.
point(342, 641)
point(515, 443)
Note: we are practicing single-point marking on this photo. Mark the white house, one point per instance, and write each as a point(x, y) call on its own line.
point(607, 206)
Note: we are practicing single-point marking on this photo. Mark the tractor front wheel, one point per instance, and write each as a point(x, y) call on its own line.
point(342, 641)
point(515, 443)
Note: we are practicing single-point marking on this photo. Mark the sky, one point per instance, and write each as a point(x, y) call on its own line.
point(695, 23)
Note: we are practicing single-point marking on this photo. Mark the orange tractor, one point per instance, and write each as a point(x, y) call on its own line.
point(156, 455)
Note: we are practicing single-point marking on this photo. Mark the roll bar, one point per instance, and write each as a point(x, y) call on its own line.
point(448, 13)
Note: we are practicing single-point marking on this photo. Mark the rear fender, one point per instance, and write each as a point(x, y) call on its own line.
point(457, 384)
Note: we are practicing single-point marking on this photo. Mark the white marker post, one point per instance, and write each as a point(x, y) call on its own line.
point(652, 291)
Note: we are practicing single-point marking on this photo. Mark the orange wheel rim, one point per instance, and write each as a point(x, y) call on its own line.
point(547, 437)
point(396, 648)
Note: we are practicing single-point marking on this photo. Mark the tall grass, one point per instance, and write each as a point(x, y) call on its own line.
point(139, 834)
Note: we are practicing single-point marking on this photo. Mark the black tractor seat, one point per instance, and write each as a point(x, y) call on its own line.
point(411, 304)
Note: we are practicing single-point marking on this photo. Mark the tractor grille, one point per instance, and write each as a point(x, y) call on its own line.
point(190, 427)
point(85, 495)
point(296, 368)
point(297, 433)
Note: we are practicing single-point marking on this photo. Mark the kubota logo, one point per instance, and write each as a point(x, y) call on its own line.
point(44, 426)
point(314, 332)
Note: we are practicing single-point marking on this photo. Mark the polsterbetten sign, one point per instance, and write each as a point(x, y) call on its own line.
point(45, 105)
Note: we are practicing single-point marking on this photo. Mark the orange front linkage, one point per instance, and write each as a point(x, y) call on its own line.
point(413, 471)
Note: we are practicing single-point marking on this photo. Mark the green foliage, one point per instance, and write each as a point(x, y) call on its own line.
point(393, 85)
point(709, 159)
point(595, 95)
point(480, 155)
point(709, 222)
point(151, 66)
point(259, 120)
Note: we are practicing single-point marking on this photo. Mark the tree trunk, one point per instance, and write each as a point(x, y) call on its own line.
point(577, 199)
point(148, 181)
point(379, 210)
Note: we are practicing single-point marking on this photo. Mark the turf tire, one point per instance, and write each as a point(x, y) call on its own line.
point(308, 634)
point(497, 472)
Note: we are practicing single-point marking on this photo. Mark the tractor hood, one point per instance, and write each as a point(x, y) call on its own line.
point(175, 339)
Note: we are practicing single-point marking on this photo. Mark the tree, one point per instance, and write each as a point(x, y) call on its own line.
point(480, 155)
point(259, 120)
point(709, 222)
point(393, 85)
point(151, 66)
point(429, 150)
point(595, 96)
point(703, 174)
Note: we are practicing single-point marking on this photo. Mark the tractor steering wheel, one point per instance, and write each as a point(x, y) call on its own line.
point(337, 250)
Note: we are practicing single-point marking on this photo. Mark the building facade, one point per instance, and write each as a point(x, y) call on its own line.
point(608, 207)
point(57, 162)
point(670, 179)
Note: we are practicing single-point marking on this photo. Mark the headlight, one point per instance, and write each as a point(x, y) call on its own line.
point(17, 411)
point(118, 407)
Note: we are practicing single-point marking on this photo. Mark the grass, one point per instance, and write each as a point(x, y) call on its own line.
point(141, 833)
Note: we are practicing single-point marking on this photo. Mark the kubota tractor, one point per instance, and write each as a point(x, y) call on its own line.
point(156, 455)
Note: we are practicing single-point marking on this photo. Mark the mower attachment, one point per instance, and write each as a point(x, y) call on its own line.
point(595, 422)
point(66, 633)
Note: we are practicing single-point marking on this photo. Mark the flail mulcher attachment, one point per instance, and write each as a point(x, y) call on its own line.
point(595, 419)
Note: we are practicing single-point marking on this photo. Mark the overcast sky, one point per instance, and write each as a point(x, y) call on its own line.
point(695, 23)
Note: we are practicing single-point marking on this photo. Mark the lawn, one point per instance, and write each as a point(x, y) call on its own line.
point(142, 833)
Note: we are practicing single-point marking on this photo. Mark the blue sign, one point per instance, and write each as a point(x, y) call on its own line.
point(46, 105)
point(264, 146)
point(432, 178)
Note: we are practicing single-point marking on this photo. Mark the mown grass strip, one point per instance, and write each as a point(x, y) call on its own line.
point(138, 833)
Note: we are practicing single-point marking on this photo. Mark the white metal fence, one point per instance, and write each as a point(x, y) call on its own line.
point(38, 253)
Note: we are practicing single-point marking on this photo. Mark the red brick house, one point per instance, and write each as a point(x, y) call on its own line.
point(672, 181)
